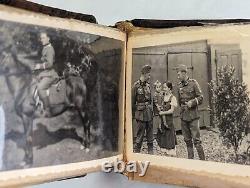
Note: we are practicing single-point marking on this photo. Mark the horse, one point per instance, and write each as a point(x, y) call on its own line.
point(20, 81)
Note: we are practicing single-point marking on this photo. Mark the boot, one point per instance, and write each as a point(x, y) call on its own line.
point(46, 106)
point(137, 148)
point(190, 151)
point(150, 148)
point(200, 152)
point(46, 103)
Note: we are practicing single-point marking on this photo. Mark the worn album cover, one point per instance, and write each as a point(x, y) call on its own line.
point(76, 95)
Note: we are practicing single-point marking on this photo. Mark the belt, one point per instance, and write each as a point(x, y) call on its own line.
point(142, 103)
point(183, 104)
point(50, 68)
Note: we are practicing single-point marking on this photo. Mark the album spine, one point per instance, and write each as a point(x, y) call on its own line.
point(51, 11)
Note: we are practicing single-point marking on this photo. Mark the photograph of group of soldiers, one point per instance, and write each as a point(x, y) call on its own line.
point(190, 100)
point(59, 93)
point(164, 104)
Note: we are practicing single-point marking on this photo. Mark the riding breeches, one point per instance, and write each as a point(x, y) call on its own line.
point(45, 83)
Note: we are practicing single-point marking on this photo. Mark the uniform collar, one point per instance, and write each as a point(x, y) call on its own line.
point(47, 45)
point(185, 82)
point(164, 93)
point(143, 83)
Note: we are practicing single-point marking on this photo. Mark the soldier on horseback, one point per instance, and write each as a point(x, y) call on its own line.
point(47, 75)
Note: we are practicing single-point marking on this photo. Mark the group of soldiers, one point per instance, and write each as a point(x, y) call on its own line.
point(189, 98)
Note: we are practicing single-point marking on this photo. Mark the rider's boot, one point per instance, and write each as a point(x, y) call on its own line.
point(46, 104)
point(47, 108)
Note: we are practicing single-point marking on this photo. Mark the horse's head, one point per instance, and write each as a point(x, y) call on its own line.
point(10, 64)
point(17, 74)
point(6, 63)
point(88, 67)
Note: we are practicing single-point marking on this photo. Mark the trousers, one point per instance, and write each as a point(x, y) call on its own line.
point(191, 134)
point(142, 127)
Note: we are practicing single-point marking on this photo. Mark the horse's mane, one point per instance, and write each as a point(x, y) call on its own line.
point(22, 66)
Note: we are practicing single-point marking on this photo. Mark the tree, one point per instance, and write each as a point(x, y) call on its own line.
point(231, 107)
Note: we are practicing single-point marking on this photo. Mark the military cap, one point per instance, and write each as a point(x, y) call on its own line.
point(146, 69)
point(182, 68)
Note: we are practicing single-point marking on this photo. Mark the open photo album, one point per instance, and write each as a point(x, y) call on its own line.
point(161, 101)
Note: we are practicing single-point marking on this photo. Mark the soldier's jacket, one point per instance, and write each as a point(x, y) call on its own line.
point(47, 60)
point(142, 101)
point(189, 91)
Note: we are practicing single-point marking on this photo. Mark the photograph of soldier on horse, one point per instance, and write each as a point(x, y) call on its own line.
point(52, 91)
point(44, 85)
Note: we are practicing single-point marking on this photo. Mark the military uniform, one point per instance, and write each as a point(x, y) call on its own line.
point(143, 113)
point(48, 74)
point(189, 90)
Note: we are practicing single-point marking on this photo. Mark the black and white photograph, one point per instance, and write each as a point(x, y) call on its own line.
point(191, 99)
point(59, 96)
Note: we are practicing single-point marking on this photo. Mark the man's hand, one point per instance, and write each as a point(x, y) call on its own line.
point(189, 104)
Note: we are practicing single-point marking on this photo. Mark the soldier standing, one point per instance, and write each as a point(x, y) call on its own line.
point(142, 110)
point(190, 96)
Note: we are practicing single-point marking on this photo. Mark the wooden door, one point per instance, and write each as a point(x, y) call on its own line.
point(156, 60)
point(229, 55)
point(165, 59)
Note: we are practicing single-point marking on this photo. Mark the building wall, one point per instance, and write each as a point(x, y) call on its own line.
point(199, 56)
point(165, 59)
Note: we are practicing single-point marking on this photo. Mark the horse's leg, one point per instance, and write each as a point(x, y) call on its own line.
point(27, 113)
point(86, 129)
point(27, 122)
point(76, 95)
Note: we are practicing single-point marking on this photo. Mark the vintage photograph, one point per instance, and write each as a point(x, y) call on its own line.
point(191, 100)
point(59, 97)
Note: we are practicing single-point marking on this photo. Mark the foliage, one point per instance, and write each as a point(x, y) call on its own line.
point(231, 107)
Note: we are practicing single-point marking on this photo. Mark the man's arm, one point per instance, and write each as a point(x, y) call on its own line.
point(47, 59)
point(198, 95)
point(178, 96)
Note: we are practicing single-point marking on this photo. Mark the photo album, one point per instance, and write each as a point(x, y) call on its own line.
point(161, 101)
